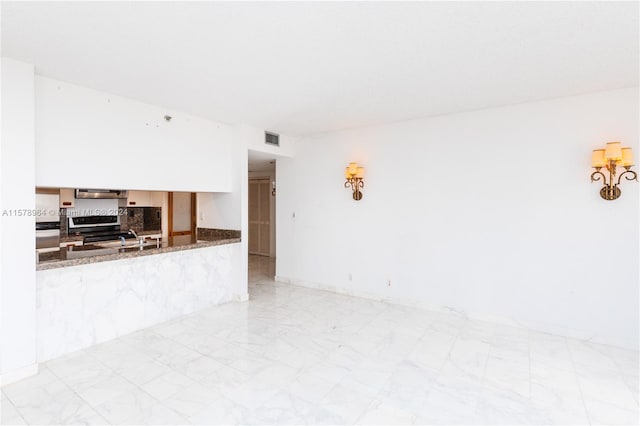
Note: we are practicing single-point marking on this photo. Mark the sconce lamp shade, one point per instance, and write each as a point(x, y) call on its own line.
point(353, 168)
point(360, 172)
point(597, 158)
point(613, 151)
point(347, 175)
point(627, 157)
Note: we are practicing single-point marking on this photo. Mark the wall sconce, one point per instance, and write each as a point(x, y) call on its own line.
point(611, 157)
point(354, 176)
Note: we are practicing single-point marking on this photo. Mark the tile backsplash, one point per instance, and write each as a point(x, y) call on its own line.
point(64, 224)
point(217, 234)
point(142, 219)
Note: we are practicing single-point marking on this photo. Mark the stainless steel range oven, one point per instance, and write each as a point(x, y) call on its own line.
point(98, 228)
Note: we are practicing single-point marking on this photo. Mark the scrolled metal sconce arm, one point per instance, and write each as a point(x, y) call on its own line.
point(356, 185)
point(633, 175)
point(595, 176)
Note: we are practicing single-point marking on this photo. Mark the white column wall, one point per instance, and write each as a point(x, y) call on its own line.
point(17, 233)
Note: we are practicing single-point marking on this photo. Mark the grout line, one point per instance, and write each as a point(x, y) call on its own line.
point(74, 391)
point(287, 305)
point(529, 362)
point(483, 380)
point(15, 408)
point(577, 379)
point(136, 386)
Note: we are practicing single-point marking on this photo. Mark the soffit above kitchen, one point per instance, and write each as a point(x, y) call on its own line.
point(307, 67)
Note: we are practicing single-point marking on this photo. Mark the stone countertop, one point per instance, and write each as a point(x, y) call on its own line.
point(58, 259)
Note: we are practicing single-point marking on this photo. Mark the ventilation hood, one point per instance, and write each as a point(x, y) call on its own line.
point(101, 193)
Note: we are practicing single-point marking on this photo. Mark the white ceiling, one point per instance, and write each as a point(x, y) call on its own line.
point(261, 161)
point(300, 68)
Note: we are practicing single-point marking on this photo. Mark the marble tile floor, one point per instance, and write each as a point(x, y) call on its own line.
point(298, 356)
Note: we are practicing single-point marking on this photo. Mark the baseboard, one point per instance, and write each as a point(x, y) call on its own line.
point(241, 297)
point(19, 374)
point(531, 325)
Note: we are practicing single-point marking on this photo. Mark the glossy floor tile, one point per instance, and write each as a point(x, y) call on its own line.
point(298, 356)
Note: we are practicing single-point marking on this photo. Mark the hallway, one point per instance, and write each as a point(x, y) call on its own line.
point(262, 269)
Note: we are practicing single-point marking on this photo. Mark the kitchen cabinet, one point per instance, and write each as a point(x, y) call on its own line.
point(158, 198)
point(67, 197)
point(139, 199)
point(145, 199)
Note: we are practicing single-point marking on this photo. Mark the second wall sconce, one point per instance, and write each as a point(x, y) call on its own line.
point(611, 157)
point(354, 175)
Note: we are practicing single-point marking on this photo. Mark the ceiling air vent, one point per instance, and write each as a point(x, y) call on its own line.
point(272, 138)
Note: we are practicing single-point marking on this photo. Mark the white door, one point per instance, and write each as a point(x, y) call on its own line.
point(259, 212)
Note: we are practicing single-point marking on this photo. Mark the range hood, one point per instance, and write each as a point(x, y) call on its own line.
point(101, 193)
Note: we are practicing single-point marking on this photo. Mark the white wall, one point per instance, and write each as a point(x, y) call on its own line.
point(230, 210)
point(489, 212)
point(17, 234)
point(221, 210)
point(254, 139)
point(91, 139)
point(287, 149)
point(224, 211)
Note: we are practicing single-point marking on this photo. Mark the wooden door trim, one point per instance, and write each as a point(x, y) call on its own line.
point(170, 221)
point(194, 214)
point(171, 233)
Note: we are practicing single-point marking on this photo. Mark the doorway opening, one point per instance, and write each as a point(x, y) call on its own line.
point(262, 197)
point(182, 217)
point(260, 216)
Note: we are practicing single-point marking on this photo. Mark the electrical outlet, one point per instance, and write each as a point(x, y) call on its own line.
point(350, 277)
point(388, 283)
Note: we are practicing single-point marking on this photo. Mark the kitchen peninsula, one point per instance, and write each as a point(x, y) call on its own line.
point(115, 268)
point(89, 300)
